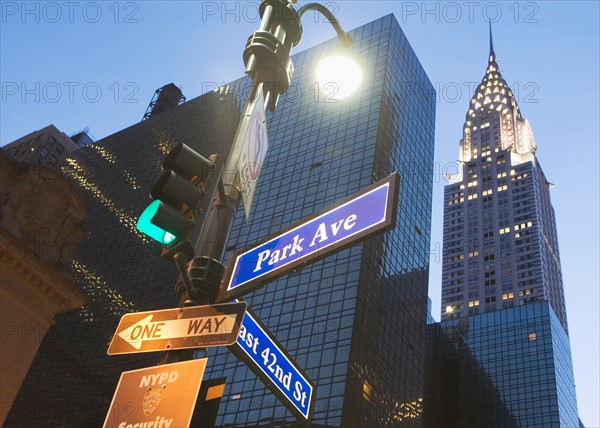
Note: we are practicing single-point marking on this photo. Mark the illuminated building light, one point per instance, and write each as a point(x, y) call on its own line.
point(96, 287)
point(112, 159)
point(165, 143)
point(73, 170)
point(108, 156)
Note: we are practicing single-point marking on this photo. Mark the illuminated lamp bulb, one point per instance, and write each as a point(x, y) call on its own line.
point(339, 74)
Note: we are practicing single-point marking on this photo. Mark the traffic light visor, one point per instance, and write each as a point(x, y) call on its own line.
point(146, 226)
point(187, 163)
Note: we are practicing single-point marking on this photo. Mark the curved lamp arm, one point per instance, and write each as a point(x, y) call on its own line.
point(345, 39)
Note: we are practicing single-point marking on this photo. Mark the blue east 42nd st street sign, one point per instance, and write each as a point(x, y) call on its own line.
point(274, 366)
point(371, 210)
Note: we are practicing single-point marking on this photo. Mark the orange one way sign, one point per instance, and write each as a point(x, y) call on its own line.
point(179, 328)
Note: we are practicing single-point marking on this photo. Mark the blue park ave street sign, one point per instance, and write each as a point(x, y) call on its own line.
point(367, 212)
point(274, 366)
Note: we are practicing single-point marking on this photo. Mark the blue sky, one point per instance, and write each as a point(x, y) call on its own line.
point(97, 64)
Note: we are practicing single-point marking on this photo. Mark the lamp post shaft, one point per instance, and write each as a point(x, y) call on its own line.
point(268, 62)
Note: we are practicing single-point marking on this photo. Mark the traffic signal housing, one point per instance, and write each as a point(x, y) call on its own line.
point(182, 196)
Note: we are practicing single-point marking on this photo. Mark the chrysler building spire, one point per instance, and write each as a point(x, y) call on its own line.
point(492, 53)
point(494, 102)
point(493, 93)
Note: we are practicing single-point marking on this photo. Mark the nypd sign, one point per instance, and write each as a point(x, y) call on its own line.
point(370, 211)
point(274, 366)
point(161, 396)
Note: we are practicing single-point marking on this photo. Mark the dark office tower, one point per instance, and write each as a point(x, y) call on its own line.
point(354, 321)
point(500, 241)
point(72, 380)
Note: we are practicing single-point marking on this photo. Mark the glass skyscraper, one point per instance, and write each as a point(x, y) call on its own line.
point(354, 321)
point(500, 240)
point(506, 368)
point(501, 355)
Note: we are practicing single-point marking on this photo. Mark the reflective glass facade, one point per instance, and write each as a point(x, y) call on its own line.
point(505, 368)
point(354, 321)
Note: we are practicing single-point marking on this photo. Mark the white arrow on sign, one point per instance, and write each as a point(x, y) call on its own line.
point(145, 329)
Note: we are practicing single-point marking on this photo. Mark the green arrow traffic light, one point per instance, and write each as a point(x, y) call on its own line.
point(171, 218)
point(155, 232)
point(164, 223)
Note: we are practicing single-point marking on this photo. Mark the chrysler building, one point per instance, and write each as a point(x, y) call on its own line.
point(500, 240)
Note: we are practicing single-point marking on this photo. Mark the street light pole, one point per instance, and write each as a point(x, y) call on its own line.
point(267, 58)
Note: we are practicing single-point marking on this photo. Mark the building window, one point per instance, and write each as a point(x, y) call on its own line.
point(532, 337)
point(51, 140)
point(53, 161)
point(60, 148)
point(44, 152)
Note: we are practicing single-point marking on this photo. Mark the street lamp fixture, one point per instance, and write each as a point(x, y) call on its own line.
point(267, 55)
point(339, 74)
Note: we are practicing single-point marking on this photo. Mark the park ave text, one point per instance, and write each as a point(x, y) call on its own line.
point(295, 247)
